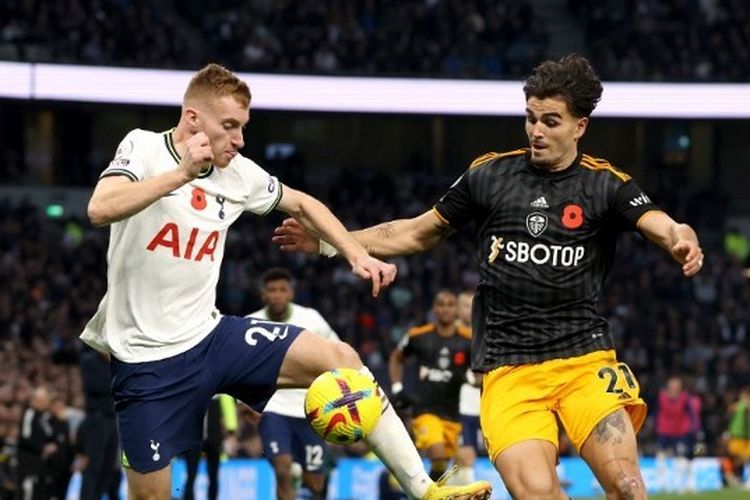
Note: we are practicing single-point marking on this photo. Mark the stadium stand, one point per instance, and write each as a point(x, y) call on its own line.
point(669, 40)
point(417, 38)
point(660, 40)
point(638, 40)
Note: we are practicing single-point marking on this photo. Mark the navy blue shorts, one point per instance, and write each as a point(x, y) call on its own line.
point(471, 434)
point(284, 435)
point(160, 405)
point(677, 446)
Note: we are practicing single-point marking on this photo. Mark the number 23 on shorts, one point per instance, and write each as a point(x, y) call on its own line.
point(618, 379)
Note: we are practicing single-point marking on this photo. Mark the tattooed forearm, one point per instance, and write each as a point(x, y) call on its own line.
point(611, 427)
point(385, 230)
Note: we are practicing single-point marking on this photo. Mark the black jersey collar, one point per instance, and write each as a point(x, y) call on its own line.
point(569, 171)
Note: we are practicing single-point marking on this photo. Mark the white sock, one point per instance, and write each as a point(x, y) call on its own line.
point(464, 475)
point(392, 443)
point(661, 471)
point(682, 471)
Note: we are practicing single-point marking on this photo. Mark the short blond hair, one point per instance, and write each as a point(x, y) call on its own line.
point(217, 81)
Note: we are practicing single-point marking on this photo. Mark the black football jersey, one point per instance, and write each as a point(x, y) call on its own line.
point(546, 243)
point(441, 364)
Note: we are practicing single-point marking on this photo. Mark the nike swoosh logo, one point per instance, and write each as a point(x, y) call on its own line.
point(170, 194)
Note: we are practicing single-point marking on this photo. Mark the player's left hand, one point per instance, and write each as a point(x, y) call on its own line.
point(292, 237)
point(689, 254)
point(380, 273)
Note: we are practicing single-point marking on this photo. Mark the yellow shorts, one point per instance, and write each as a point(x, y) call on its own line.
point(526, 401)
point(430, 430)
point(739, 448)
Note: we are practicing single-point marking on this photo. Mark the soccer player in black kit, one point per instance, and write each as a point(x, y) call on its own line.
point(441, 350)
point(546, 219)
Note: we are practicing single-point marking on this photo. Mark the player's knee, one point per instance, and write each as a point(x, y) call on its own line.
point(282, 468)
point(537, 487)
point(627, 487)
point(149, 486)
point(344, 356)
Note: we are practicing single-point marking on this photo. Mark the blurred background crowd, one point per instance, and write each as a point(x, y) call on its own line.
point(628, 40)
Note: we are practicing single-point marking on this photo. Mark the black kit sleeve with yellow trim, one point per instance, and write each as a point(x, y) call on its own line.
point(629, 202)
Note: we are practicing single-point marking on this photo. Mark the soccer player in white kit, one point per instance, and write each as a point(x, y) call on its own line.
point(170, 198)
point(286, 434)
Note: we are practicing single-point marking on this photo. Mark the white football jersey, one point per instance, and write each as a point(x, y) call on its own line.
point(163, 262)
point(291, 402)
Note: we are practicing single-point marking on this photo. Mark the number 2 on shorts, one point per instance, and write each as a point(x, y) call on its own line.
point(607, 372)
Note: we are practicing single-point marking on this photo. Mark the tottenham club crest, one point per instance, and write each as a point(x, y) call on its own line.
point(536, 223)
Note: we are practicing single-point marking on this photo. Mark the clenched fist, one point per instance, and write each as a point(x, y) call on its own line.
point(197, 155)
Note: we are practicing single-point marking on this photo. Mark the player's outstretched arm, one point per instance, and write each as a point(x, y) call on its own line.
point(388, 239)
point(680, 240)
point(315, 218)
point(116, 198)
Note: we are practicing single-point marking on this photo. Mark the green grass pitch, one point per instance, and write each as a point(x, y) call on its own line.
point(729, 494)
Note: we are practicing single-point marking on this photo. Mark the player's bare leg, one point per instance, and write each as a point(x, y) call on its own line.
point(155, 485)
point(438, 460)
point(282, 468)
point(309, 356)
point(612, 453)
point(528, 470)
point(315, 482)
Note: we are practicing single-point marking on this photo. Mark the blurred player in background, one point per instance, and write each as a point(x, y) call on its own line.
point(286, 433)
point(97, 435)
point(36, 444)
point(471, 441)
point(738, 447)
point(219, 424)
point(441, 350)
point(547, 220)
point(170, 198)
point(675, 435)
point(60, 463)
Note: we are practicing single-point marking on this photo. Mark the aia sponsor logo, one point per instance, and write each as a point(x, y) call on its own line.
point(198, 244)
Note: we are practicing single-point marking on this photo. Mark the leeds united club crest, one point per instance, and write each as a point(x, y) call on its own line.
point(536, 223)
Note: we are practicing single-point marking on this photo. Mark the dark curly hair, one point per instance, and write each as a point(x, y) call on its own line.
point(571, 78)
point(276, 274)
